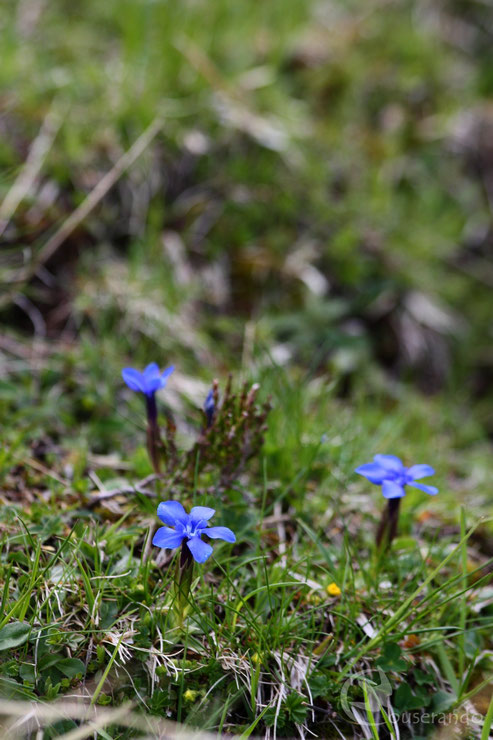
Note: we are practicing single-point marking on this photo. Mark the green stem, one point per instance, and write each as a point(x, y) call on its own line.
point(154, 442)
point(184, 576)
point(488, 722)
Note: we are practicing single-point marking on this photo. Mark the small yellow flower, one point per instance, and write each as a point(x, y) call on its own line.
point(256, 658)
point(190, 695)
point(333, 589)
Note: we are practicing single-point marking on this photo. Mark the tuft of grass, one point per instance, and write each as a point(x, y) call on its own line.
point(265, 644)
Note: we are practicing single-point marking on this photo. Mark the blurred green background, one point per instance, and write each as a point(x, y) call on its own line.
point(318, 195)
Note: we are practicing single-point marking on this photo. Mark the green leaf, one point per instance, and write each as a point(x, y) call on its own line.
point(26, 672)
point(319, 684)
point(18, 557)
point(248, 730)
point(71, 667)
point(391, 660)
point(270, 718)
point(108, 613)
point(405, 700)
point(421, 677)
point(443, 700)
point(13, 635)
point(10, 668)
point(10, 689)
point(104, 699)
point(405, 543)
point(48, 661)
point(295, 707)
point(473, 643)
point(422, 693)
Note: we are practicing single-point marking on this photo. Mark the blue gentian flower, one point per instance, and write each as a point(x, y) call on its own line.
point(149, 381)
point(189, 527)
point(209, 407)
point(389, 472)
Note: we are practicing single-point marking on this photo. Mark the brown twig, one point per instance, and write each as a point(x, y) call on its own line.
point(136, 488)
point(88, 204)
point(32, 166)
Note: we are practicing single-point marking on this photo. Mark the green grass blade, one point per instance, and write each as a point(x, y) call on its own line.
point(488, 721)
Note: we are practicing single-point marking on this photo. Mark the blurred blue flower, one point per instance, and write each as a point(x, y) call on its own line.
point(209, 407)
point(190, 527)
point(389, 472)
point(149, 381)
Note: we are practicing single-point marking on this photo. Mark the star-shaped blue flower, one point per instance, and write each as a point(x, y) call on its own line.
point(389, 472)
point(190, 527)
point(149, 381)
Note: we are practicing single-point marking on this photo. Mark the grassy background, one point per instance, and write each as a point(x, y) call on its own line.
point(314, 215)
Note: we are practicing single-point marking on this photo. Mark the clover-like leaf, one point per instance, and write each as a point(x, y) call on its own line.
point(390, 659)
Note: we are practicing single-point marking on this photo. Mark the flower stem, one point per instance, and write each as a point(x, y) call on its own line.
point(154, 442)
point(387, 529)
point(183, 582)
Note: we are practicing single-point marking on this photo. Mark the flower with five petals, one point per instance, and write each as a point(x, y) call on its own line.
point(189, 527)
point(389, 472)
point(149, 381)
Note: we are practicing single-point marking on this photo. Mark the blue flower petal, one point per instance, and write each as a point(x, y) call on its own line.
point(134, 379)
point(200, 513)
point(210, 407)
point(151, 369)
point(375, 473)
point(166, 537)
point(390, 489)
point(165, 375)
point(390, 462)
point(200, 550)
point(420, 471)
point(431, 490)
point(209, 401)
point(172, 512)
point(220, 533)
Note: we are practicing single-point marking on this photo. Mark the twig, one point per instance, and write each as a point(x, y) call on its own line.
point(137, 488)
point(46, 471)
point(32, 166)
point(14, 347)
point(90, 202)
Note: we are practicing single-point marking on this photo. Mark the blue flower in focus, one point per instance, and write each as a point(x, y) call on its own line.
point(149, 381)
point(190, 527)
point(389, 472)
point(209, 407)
